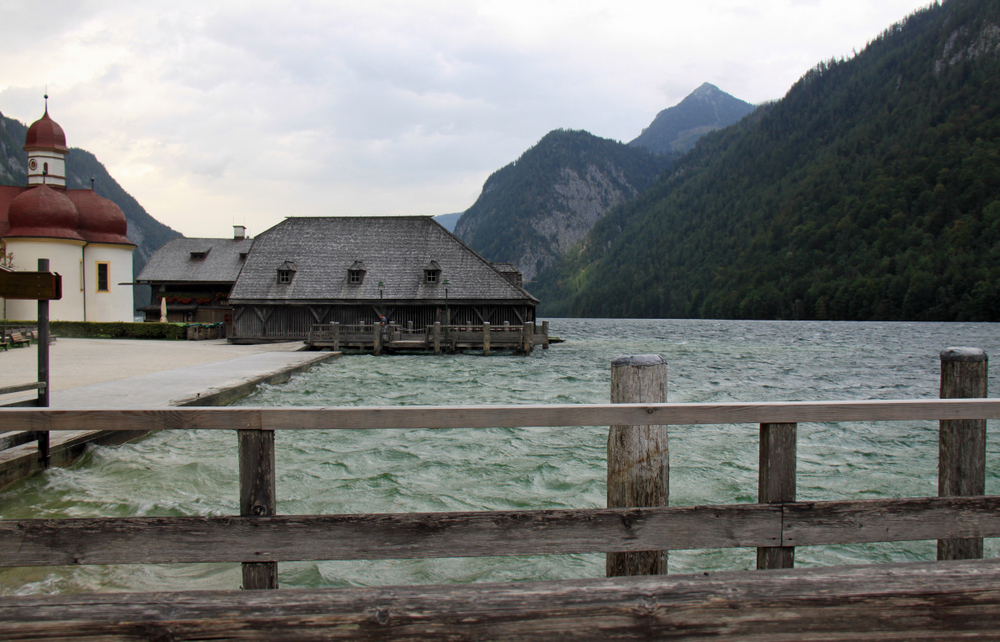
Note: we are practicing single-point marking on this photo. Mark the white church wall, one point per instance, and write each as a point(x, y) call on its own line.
point(64, 258)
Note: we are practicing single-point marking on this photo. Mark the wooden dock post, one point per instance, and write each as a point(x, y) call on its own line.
point(377, 338)
point(545, 335)
point(257, 497)
point(638, 456)
point(962, 442)
point(527, 337)
point(336, 336)
point(486, 338)
point(776, 484)
point(437, 337)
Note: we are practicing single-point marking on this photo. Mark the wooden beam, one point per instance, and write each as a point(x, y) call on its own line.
point(926, 601)
point(258, 498)
point(431, 417)
point(776, 484)
point(286, 538)
point(35, 385)
point(962, 443)
point(638, 457)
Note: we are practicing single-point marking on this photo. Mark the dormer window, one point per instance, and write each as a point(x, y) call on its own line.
point(432, 273)
point(356, 273)
point(286, 272)
point(198, 256)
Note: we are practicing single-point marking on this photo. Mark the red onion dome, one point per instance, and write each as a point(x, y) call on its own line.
point(45, 133)
point(101, 221)
point(45, 213)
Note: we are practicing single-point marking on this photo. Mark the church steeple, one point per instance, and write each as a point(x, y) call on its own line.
point(46, 147)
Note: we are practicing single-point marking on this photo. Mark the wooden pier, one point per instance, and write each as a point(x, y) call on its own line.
point(945, 599)
point(436, 338)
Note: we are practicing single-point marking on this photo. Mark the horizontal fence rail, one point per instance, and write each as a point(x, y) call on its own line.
point(288, 538)
point(505, 416)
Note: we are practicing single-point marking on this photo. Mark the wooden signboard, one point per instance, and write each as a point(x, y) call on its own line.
point(41, 286)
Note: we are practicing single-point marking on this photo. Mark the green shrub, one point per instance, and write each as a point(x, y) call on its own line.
point(118, 330)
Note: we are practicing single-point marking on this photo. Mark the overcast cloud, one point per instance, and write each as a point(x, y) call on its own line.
point(214, 113)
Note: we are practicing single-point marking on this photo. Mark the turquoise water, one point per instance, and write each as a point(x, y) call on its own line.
point(194, 473)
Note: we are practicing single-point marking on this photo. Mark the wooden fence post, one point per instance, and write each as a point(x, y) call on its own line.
point(257, 497)
point(43, 367)
point(962, 442)
point(638, 456)
point(776, 484)
point(486, 339)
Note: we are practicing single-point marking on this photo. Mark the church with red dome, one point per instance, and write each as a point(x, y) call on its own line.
point(82, 234)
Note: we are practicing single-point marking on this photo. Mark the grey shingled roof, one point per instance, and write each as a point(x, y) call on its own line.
point(393, 249)
point(173, 263)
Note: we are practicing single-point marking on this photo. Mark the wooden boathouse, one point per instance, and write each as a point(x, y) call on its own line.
point(956, 596)
point(351, 271)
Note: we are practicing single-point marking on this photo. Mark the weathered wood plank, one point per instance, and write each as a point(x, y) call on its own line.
point(638, 456)
point(927, 601)
point(962, 443)
point(35, 385)
point(890, 520)
point(135, 540)
point(164, 540)
point(258, 498)
point(776, 484)
point(429, 417)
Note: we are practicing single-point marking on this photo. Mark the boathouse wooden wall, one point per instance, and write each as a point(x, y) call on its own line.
point(292, 322)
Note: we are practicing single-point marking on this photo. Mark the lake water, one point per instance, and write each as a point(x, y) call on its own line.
point(194, 473)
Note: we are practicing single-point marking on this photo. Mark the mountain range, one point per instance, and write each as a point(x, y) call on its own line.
point(678, 128)
point(870, 191)
point(532, 211)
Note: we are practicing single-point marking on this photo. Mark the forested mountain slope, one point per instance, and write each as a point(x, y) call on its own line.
point(536, 208)
point(677, 128)
point(870, 191)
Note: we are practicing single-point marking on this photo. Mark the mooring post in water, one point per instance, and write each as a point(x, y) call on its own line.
point(43, 367)
point(776, 484)
point(486, 338)
point(336, 336)
point(545, 335)
point(962, 442)
point(638, 456)
point(257, 497)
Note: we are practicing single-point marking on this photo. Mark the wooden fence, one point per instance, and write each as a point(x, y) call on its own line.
point(436, 338)
point(945, 597)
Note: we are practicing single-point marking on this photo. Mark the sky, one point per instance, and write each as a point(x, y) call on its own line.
point(244, 112)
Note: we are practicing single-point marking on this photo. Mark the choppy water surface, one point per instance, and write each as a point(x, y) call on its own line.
point(194, 473)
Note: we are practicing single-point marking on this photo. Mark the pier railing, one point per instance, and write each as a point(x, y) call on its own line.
point(957, 597)
point(260, 539)
point(436, 338)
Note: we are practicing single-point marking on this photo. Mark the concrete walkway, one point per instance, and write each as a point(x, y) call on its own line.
point(129, 374)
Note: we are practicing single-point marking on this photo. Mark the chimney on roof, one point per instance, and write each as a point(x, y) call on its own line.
point(239, 232)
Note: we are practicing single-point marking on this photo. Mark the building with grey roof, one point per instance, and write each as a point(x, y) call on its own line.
point(350, 270)
point(195, 277)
